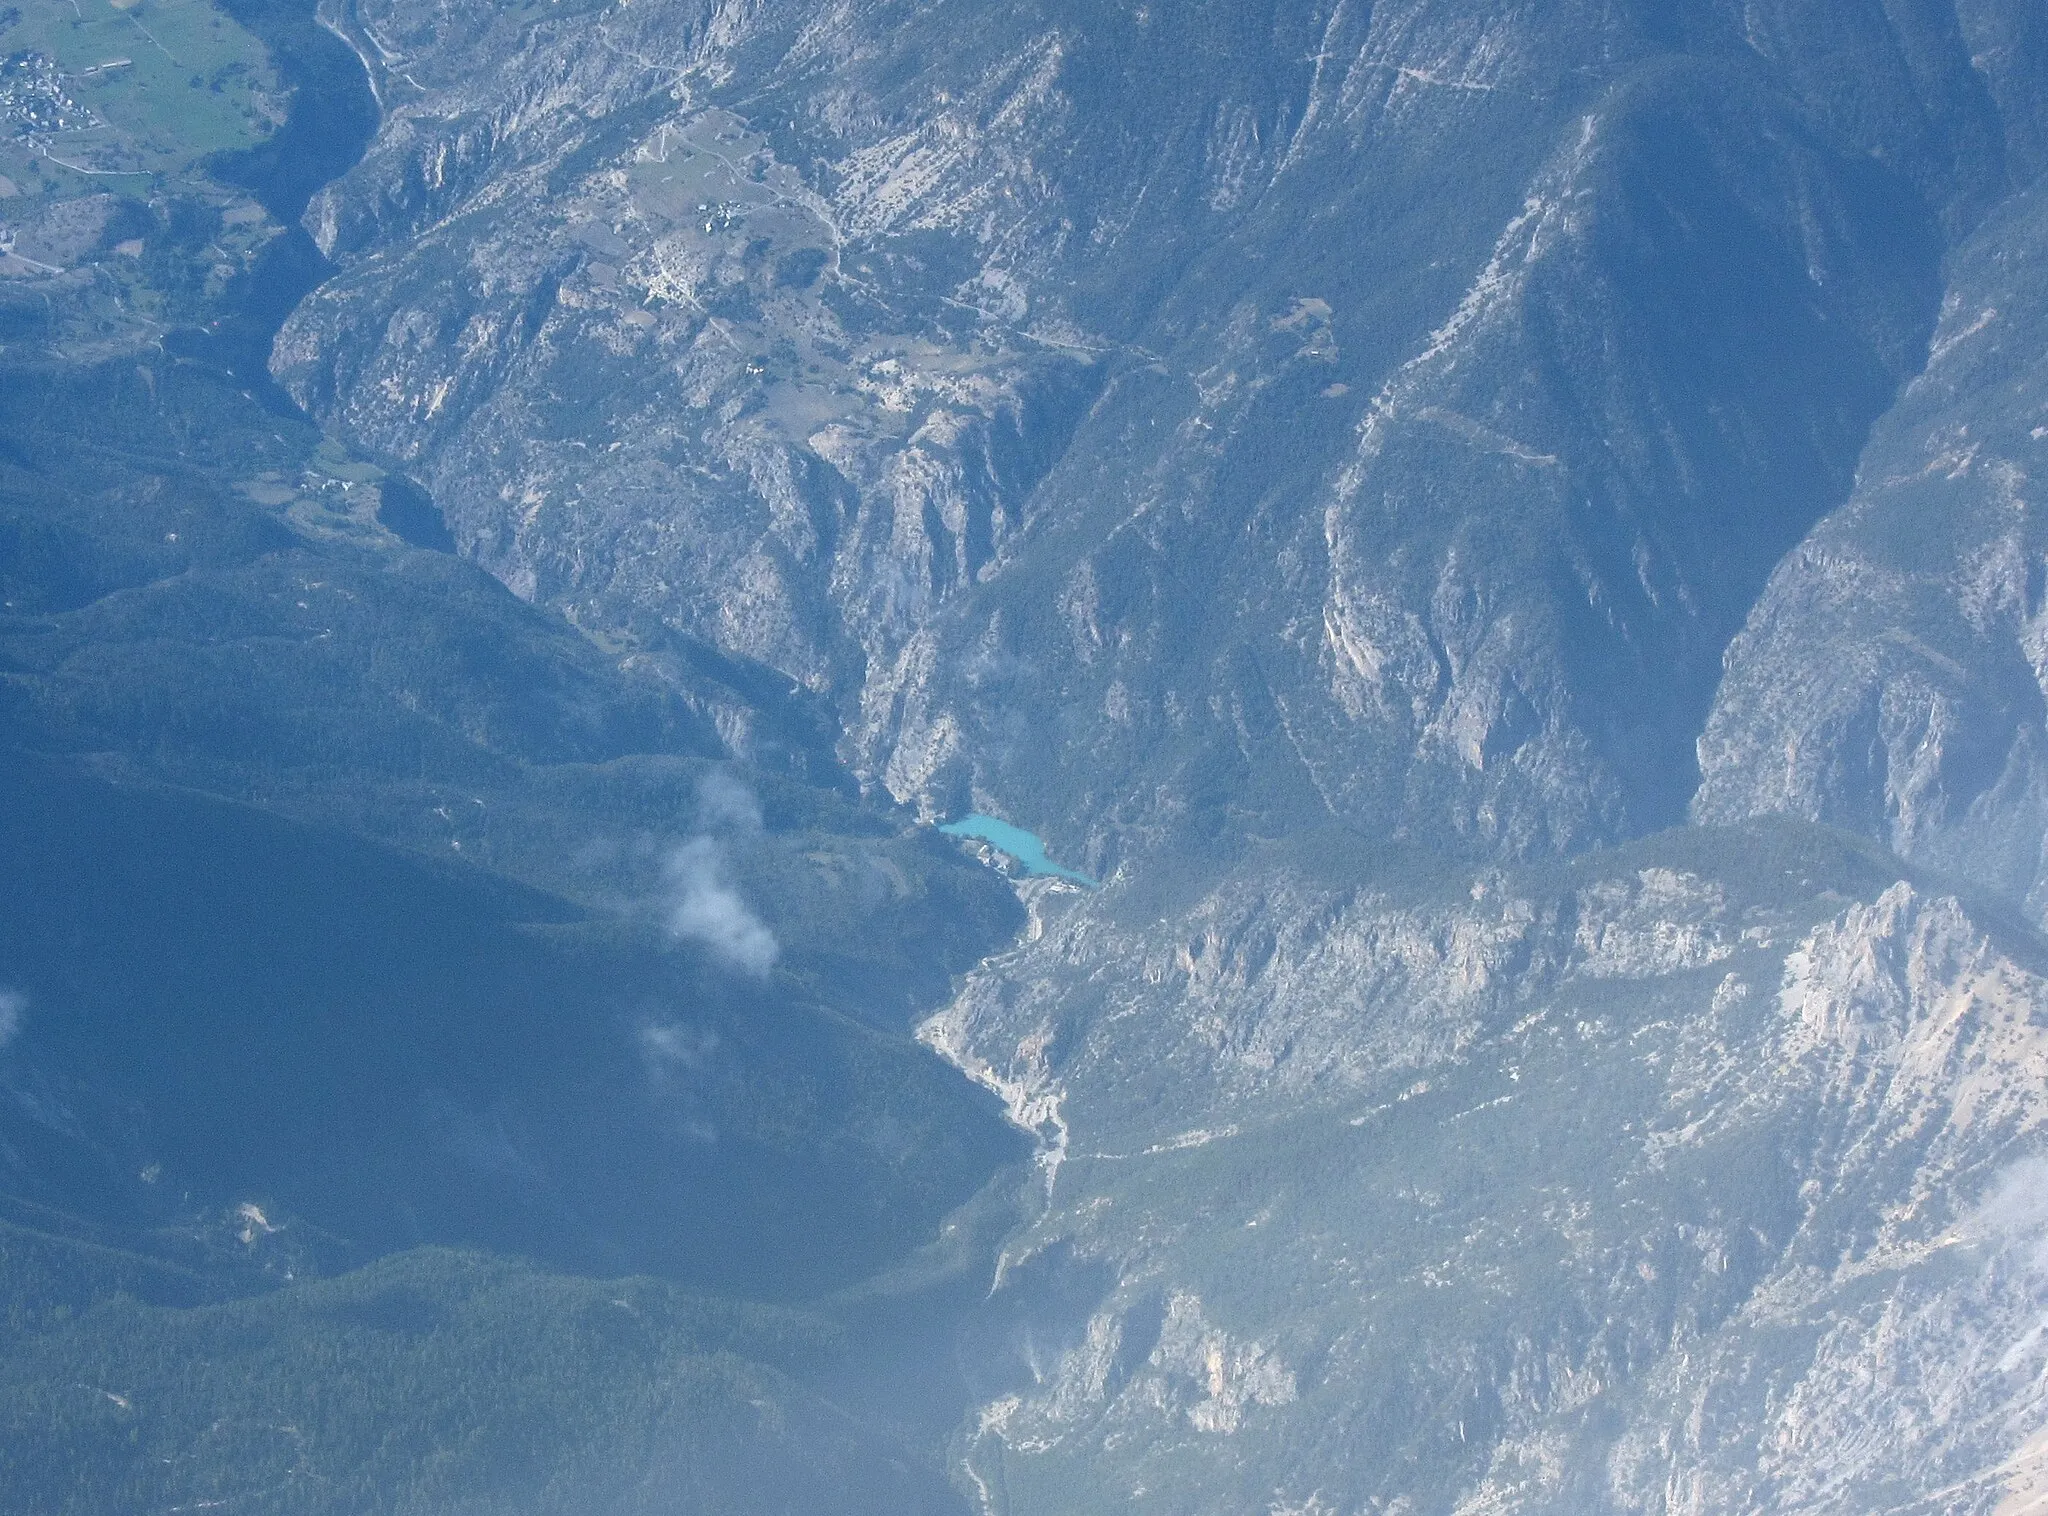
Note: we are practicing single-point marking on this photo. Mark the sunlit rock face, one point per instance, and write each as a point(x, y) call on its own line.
point(1345, 477)
point(1698, 1177)
point(1219, 418)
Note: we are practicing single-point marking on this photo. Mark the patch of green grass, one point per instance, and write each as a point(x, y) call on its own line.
point(167, 81)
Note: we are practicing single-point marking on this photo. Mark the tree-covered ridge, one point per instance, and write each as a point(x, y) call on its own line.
point(435, 1381)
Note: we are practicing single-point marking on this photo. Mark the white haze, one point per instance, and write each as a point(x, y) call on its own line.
point(2015, 1210)
point(13, 1006)
point(725, 804)
point(669, 1046)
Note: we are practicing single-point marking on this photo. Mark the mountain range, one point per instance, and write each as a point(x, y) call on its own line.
point(1495, 544)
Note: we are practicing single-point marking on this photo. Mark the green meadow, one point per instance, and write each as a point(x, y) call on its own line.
point(167, 82)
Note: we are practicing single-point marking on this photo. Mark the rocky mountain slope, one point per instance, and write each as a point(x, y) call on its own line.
point(1382, 412)
point(1503, 536)
point(1698, 1175)
point(1311, 461)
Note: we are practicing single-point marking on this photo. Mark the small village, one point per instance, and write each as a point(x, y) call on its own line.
point(32, 98)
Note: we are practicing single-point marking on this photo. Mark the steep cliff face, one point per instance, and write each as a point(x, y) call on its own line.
point(1892, 679)
point(270, 1006)
point(1386, 412)
point(1694, 1178)
point(1311, 460)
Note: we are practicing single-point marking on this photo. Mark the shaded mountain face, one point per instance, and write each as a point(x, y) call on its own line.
point(221, 1010)
point(1500, 535)
point(348, 904)
point(664, 1401)
point(238, 709)
point(353, 911)
point(1891, 680)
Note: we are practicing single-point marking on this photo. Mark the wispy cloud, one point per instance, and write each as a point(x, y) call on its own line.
point(726, 804)
point(669, 1046)
point(2014, 1212)
point(676, 1057)
point(13, 1008)
point(703, 907)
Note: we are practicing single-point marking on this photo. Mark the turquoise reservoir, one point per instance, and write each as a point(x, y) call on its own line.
point(1021, 845)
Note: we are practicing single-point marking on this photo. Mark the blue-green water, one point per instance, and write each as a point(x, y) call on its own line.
point(1025, 847)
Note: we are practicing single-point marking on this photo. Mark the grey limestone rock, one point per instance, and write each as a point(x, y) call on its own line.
point(1700, 1177)
point(1312, 461)
point(1384, 413)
